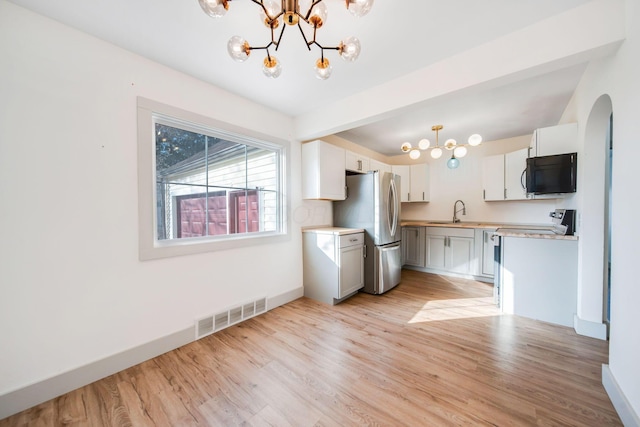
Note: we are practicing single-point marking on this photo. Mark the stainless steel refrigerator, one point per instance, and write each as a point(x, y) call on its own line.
point(373, 203)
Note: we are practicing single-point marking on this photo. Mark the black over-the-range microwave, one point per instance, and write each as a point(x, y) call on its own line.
point(552, 174)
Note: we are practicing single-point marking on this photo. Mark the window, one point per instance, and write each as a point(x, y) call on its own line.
point(211, 188)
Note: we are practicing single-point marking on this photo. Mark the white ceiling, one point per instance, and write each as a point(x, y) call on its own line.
point(398, 39)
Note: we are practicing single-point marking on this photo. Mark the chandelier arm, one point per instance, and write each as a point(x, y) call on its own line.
point(306, 17)
point(266, 12)
point(262, 47)
point(279, 38)
point(305, 37)
point(323, 47)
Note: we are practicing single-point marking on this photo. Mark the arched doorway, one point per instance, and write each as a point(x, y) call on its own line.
point(594, 243)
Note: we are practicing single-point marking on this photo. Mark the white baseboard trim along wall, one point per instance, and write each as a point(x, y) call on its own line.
point(34, 394)
point(626, 413)
point(589, 329)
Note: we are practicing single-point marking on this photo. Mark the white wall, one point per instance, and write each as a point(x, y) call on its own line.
point(72, 288)
point(617, 77)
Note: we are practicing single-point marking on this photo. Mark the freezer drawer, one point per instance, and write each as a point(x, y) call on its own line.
point(387, 268)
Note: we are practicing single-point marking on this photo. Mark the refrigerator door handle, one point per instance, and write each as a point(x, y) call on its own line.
point(392, 206)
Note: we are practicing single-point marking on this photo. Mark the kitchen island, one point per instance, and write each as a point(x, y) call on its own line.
point(538, 276)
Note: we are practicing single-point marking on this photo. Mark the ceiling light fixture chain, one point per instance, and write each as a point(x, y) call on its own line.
point(458, 150)
point(289, 10)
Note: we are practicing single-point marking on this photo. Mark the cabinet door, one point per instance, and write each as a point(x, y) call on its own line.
point(556, 139)
point(493, 177)
point(375, 165)
point(413, 246)
point(459, 255)
point(404, 172)
point(436, 251)
point(488, 255)
point(515, 164)
point(419, 183)
point(351, 270)
point(356, 162)
point(323, 171)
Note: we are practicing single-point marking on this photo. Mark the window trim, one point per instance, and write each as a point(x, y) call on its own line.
point(151, 248)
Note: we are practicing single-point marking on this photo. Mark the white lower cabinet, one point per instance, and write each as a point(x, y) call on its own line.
point(451, 249)
point(413, 246)
point(333, 264)
point(485, 247)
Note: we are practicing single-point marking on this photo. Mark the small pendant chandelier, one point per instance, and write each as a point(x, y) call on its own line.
point(458, 150)
point(312, 13)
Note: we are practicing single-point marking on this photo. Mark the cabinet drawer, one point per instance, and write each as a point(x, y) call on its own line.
point(451, 231)
point(355, 239)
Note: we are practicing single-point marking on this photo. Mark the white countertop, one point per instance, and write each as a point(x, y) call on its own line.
point(536, 231)
point(337, 231)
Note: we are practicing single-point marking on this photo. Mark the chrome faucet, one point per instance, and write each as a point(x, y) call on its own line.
point(455, 212)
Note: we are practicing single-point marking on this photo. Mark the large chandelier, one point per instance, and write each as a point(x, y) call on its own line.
point(311, 12)
point(458, 150)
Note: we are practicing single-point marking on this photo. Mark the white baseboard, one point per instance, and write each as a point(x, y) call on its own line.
point(284, 298)
point(34, 394)
point(590, 329)
point(626, 413)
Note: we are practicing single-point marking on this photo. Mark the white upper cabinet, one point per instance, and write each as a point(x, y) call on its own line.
point(503, 175)
point(554, 140)
point(419, 183)
point(355, 162)
point(405, 178)
point(375, 165)
point(414, 182)
point(515, 164)
point(323, 175)
point(493, 177)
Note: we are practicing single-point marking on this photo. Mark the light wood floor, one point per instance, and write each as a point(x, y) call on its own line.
point(431, 352)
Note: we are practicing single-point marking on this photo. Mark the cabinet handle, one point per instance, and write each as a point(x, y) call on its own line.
point(409, 197)
point(364, 251)
point(423, 196)
point(359, 165)
point(505, 193)
point(484, 194)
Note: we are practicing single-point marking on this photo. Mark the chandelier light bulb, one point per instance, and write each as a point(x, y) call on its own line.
point(405, 147)
point(475, 140)
point(359, 8)
point(271, 67)
point(460, 152)
point(323, 69)
point(414, 154)
point(349, 49)
point(214, 8)
point(453, 163)
point(238, 49)
point(318, 15)
point(424, 144)
point(273, 8)
point(436, 153)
